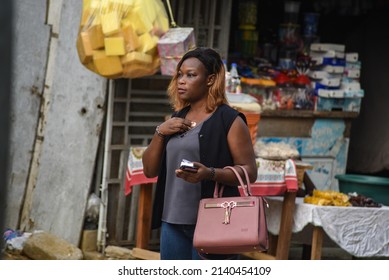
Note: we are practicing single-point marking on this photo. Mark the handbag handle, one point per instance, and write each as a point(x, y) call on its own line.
point(245, 187)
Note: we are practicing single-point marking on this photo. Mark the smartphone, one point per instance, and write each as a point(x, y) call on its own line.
point(187, 165)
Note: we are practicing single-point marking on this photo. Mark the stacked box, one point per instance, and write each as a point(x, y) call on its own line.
point(335, 78)
point(172, 46)
point(337, 100)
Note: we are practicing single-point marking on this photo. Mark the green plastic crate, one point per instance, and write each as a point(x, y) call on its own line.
point(371, 186)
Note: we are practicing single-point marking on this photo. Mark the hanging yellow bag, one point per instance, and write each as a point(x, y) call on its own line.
point(118, 38)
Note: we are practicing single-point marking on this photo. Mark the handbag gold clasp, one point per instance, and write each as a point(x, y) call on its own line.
point(228, 207)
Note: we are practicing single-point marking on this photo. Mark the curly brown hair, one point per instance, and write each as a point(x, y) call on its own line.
point(213, 63)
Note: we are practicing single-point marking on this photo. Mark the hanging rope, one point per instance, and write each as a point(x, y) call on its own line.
point(173, 23)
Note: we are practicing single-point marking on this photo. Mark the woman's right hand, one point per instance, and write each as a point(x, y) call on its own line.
point(152, 155)
point(174, 125)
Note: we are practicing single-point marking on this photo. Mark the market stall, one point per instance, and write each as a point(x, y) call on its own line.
point(309, 89)
point(306, 101)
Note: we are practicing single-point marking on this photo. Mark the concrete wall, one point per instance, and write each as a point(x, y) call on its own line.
point(31, 41)
point(56, 119)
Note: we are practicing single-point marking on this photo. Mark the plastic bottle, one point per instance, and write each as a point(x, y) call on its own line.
point(234, 70)
point(235, 81)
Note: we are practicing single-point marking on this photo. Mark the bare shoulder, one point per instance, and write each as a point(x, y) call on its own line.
point(239, 129)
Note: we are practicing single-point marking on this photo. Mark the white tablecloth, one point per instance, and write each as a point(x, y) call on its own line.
point(361, 231)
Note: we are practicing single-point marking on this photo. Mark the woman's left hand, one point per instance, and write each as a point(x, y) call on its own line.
point(202, 173)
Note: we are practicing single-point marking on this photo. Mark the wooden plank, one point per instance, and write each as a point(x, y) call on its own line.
point(133, 213)
point(144, 124)
point(146, 92)
point(121, 204)
point(317, 243)
point(273, 240)
point(181, 12)
point(295, 125)
point(196, 19)
point(211, 25)
point(147, 114)
point(150, 100)
point(279, 245)
point(259, 256)
point(144, 216)
point(336, 115)
point(285, 127)
point(309, 114)
point(224, 34)
point(286, 223)
point(143, 254)
point(112, 212)
point(189, 17)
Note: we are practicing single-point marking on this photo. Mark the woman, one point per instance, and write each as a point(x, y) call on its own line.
point(205, 130)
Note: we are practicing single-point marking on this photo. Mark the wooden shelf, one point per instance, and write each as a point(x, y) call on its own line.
point(309, 114)
point(299, 123)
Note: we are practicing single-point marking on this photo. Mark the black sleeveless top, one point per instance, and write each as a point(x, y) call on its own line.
point(214, 151)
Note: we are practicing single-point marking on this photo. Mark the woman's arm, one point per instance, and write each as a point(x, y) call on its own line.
point(153, 154)
point(242, 151)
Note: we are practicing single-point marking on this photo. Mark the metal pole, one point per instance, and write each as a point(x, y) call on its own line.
point(102, 227)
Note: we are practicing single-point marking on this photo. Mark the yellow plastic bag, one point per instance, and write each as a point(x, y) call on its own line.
point(118, 38)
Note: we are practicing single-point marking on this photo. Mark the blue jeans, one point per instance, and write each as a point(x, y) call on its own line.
point(177, 244)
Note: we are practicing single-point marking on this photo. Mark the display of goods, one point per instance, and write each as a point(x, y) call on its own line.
point(328, 198)
point(303, 98)
point(311, 21)
point(118, 38)
point(284, 96)
point(258, 88)
point(359, 200)
point(289, 35)
point(276, 151)
point(172, 46)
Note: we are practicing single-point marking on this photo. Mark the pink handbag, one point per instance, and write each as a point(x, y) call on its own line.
point(231, 225)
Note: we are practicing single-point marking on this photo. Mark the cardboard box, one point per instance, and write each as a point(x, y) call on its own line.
point(321, 47)
point(338, 100)
point(172, 46)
